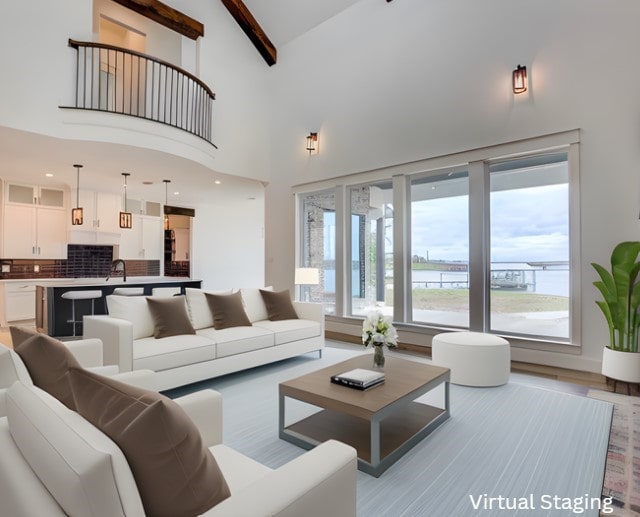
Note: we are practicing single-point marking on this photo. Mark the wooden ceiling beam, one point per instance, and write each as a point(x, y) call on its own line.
point(252, 29)
point(167, 16)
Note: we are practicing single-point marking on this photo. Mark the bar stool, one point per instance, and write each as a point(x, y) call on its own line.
point(80, 295)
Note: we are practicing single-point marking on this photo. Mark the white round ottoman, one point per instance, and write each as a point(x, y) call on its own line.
point(474, 358)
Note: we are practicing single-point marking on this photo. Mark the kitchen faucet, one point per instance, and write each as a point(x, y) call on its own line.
point(114, 268)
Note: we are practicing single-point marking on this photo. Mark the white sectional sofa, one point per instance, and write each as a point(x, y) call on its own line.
point(53, 462)
point(127, 334)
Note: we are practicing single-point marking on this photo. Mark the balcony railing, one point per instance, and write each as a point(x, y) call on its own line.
point(118, 80)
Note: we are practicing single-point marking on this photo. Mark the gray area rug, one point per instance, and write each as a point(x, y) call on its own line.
point(511, 450)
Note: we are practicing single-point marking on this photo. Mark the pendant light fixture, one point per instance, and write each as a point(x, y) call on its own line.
point(166, 203)
point(125, 217)
point(77, 213)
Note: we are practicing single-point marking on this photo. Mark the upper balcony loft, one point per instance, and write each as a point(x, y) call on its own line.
point(117, 80)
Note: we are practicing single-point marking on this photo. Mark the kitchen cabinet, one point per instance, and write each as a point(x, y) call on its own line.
point(144, 240)
point(100, 219)
point(19, 302)
point(34, 223)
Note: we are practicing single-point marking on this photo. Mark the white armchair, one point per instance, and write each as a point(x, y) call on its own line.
point(89, 354)
point(319, 482)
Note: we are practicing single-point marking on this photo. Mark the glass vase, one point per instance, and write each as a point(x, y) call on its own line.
point(378, 356)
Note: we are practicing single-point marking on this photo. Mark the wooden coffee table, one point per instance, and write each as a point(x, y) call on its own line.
point(382, 423)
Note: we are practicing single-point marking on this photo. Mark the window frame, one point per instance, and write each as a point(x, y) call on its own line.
point(477, 162)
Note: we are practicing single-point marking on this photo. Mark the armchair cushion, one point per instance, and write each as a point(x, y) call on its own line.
point(279, 306)
point(48, 362)
point(174, 472)
point(227, 310)
point(170, 317)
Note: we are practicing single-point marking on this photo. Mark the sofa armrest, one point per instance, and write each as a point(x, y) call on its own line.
point(204, 407)
point(117, 339)
point(88, 352)
point(318, 483)
point(310, 311)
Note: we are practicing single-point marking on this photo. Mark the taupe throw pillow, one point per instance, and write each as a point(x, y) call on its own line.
point(175, 473)
point(20, 334)
point(170, 317)
point(279, 306)
point(227, 310)
point(48, 361)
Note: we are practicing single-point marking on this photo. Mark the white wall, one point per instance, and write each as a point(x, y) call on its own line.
point(387, 83)
point(228, 239)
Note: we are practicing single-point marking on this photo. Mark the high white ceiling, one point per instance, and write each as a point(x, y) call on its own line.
point(285, 20)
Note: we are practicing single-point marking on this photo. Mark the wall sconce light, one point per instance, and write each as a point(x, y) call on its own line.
point(126, 219)
point(520, 79)
point(166, 202)
point(77, 213)
point(312, 143)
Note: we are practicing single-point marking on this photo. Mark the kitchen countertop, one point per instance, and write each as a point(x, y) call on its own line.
point(115, 280)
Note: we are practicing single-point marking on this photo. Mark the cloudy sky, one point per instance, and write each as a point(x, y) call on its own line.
point(527, 224)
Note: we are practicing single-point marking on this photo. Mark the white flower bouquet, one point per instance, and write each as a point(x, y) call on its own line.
point(378, 330)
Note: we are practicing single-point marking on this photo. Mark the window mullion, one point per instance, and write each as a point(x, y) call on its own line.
point(478, 246)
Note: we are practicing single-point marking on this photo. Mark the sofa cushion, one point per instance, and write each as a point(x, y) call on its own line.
point(134, 309)
point(199, 310)
point(20, 333)
point(287, 331)
point(237, 340)
point(279, 306)
point(48, 362)
point(227, 310)
point(171, 352)
point(254, 304)
point(170, 317)
point(174, 472)
point(79, 465)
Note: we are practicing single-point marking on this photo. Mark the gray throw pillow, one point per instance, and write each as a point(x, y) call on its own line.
point(227, 310)
point(170, 317)
point(279, 306)
point(48, 361)
point(175, 473)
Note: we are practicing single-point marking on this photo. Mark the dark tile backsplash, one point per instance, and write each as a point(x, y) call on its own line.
point(83, 261)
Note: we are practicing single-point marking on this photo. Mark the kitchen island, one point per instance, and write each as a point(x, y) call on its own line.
point(53, 313)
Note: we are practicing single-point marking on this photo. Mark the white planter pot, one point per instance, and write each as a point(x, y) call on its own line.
point(621, 366)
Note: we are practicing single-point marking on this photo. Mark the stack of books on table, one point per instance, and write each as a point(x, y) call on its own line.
point(359, 379)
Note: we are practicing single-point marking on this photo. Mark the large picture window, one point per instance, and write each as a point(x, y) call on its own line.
point(440, 249)
point(371, 249)
point(318, 246)
point(530, 246)
point(485, 240)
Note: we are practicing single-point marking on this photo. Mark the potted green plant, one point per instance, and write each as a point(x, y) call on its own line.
point(620, 289)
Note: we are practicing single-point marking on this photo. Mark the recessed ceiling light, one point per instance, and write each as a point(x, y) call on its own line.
point(176, 193)
point(217, 182)
point(49, 174)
